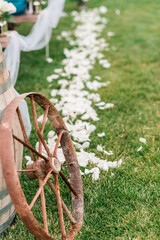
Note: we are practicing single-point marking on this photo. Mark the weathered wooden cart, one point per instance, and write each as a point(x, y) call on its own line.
point(13, 138)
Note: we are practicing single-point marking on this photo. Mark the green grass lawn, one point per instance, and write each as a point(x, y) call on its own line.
point(125, 205)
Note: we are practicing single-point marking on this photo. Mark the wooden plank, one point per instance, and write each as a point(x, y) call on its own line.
point(25, 18)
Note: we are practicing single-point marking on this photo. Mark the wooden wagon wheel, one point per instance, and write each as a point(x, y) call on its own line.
point(42, 168)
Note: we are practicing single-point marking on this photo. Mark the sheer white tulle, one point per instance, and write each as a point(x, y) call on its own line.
point(37, 39)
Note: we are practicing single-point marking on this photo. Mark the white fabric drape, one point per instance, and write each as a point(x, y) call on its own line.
point(37, 39)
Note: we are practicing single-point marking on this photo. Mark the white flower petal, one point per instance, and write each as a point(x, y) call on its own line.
point(108, 153)
point(95, 175)
point(103, 9)
point(99, 148)
point(51, 134)
point(143, 140)
point(139, 149)
point(117, 12)
point(49, 60)
point(101, 134)
point(85, 145)
point(110, 34)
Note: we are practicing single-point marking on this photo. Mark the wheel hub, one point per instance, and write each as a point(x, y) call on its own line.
point(40, 168)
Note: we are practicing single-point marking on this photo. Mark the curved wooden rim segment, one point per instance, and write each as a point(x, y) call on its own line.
point(11, 176)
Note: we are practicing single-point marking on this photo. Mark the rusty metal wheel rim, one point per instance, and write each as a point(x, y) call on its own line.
point(12, 179)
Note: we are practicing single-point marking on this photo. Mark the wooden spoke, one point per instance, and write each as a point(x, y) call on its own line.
point(40, 190)
point(57, 144)
point(68, 184)
point(29, 147)
point(25, 134)
point(68, 213)
point(66, 164)
point(44, 118)
point(43, 204)
point(60, 211)
point(27, 170)
point(42, 127)
point(37, 127)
